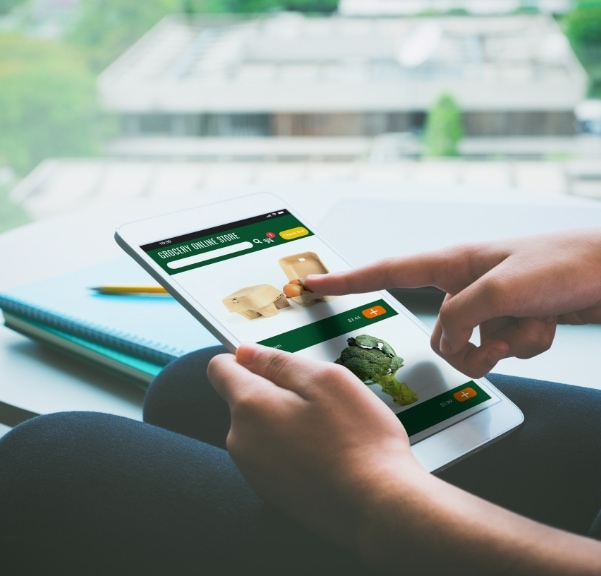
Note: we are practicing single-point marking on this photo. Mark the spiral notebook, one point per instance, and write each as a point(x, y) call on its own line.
point(154, 328)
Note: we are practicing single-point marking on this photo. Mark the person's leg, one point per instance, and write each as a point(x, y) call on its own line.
point(93, 493)
point(548, 469)
point(90, 493)
point(181, 399)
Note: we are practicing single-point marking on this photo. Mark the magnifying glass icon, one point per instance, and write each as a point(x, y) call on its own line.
point(256, 241)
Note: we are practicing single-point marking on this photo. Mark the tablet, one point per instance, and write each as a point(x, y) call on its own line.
point(238, 268)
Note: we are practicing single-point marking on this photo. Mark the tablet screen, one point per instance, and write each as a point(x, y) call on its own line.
point(248, 274)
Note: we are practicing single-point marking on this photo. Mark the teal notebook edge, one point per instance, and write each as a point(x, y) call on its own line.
point(136, 370)
point(149, 327)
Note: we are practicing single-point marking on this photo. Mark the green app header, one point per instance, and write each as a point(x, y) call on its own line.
point(215, 245)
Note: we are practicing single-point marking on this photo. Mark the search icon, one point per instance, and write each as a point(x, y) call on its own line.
point(257, 241)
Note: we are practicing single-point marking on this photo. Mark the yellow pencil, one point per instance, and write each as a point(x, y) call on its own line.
point(116, 290)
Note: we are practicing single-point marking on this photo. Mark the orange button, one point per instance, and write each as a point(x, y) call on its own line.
point(373, 311)
point(464, 394)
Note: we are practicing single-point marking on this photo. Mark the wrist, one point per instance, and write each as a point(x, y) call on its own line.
point(384, 531)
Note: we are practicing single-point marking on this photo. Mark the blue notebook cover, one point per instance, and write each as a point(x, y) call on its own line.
point(152, 327)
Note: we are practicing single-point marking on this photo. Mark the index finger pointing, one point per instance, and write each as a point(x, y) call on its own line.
point(441, 269)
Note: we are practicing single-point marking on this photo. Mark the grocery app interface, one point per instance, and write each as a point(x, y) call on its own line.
point(250, 275)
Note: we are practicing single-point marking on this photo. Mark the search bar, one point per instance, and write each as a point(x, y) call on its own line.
point(198, 258)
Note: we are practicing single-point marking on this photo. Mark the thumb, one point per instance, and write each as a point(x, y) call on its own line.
point(274, 365)
point(294, 372)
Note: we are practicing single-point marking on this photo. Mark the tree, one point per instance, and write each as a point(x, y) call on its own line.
point(443, 131)
point(582, 26)
point(47, 103)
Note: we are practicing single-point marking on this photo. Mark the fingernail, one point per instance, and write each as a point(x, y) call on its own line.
point(245, 353)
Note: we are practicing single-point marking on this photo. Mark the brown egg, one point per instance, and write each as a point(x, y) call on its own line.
point(292, 290)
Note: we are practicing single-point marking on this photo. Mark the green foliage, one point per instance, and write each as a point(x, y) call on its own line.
point(258, 6)
point(47, 102)
point(526, 10)
point(6, 6)
point(586, 4)
point(228, 6)
point(311, 6)
point(582, 26)
point(457, 12)
point(443, 131)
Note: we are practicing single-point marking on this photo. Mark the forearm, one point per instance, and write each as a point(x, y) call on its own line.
point(424, 525)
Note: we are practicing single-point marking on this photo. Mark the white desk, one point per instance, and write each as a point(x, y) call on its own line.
point(364, 220)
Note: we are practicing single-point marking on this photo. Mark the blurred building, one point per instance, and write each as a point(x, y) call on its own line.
point(291, 76)
point(59, 186)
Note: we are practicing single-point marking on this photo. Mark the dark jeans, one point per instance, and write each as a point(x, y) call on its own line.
point(92, 493)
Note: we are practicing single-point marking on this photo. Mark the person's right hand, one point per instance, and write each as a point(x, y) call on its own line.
point(514, 291)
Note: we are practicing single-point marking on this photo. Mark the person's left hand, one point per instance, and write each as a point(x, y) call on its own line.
point(311, 438)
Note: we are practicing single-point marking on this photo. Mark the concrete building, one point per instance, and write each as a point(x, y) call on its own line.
point(292, 76)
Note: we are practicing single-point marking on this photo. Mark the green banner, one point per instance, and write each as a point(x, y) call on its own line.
point(338, 325)
point(208, 249)
point(442, 407)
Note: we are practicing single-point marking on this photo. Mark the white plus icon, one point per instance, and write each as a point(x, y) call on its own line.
point(373, 312)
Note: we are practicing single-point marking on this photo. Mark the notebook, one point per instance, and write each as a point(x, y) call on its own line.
point(136, 370)
point(154, 328)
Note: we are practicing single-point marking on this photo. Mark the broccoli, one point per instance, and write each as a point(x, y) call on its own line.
point(374, 361)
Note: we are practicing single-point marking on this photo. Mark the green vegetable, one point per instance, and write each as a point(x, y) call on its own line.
point(374, 361)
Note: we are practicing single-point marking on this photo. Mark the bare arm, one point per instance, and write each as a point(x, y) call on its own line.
point(295, 437)
point(515, 292)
